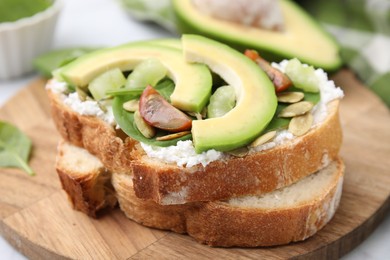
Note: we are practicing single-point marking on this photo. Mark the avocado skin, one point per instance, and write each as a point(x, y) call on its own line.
point(185, 26)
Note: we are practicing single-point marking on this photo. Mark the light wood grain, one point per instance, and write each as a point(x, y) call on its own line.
point(37, 219)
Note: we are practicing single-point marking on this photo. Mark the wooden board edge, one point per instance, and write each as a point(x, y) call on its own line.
point(25, 246)
point(351, 240)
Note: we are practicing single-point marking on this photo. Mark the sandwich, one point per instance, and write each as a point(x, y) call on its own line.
point(174, 126)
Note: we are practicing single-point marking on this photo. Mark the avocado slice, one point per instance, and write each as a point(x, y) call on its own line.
point(302, 38)
point(193, 82)
point(256, 100)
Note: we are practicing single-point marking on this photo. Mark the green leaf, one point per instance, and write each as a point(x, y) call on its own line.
point(125, 119)
point(15, 148)
point(165, 88)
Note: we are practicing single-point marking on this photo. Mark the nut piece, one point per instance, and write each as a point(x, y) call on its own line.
point(296, 109)
point(172, 136)
point(300, 125)
point(146, 130)
point(131, 105)
point(263, 139)
point(290, 97)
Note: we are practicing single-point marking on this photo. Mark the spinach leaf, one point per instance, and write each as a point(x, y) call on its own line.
point(15, 148)
point(280, 123)
point(165, 88)
point(125, 119)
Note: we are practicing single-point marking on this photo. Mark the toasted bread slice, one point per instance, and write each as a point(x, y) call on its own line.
point(86, 181)
point(285, 215)
point(167, 183)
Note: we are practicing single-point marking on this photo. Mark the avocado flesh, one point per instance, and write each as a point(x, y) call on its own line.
point(192, 81)
point(302, 38)
point(255, 94)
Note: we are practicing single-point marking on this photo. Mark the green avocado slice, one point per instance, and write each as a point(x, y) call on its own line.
point(302, 38)
point(255, 94)
point(193, 82)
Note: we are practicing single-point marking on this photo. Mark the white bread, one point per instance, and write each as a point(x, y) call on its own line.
point(289, 214)
point(85, 179)
point(165, 183)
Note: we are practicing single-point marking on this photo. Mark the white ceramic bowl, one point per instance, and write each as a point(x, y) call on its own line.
point(25, 39)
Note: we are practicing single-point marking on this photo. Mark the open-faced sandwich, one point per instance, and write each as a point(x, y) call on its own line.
point(192, 136)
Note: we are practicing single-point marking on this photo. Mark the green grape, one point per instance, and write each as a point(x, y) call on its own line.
point(302, 77)
point(109, 80)
point(148, 72)
point(222, 101)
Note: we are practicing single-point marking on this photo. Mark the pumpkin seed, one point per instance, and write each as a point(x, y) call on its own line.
point(296, 109)
point(172, 136)
point(239, 152)
point(197, 115)
point(146, 130)
point(204, 112)
point(131, 105)
point(82, 94)
point(290, 97)
point(102, 107)
point(106, 98)
point(263, 139)
point(300, 125)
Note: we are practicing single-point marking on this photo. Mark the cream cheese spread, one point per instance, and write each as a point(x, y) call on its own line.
point(183, 154)
point(86, 108)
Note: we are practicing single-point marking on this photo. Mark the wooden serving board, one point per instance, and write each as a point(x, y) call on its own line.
point(36, 218)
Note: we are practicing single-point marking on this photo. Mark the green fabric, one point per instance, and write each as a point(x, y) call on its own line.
point(362, 28)
point(158, 11)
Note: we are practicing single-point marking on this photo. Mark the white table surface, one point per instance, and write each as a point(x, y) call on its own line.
point(105, 23)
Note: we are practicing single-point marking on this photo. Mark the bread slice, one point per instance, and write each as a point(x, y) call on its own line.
point(165, 183)
point(86, 181)
point(285, 215)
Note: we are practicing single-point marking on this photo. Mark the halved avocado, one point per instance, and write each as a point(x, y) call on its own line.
point(83, 70)
point(255, 96)
point(302, 38)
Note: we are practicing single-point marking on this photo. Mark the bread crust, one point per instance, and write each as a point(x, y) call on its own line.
point(164, 183)
point(215, 223)
point(93, 134)
point(220, 224)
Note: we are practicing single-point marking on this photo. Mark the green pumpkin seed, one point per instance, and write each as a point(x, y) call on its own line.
point(296, 109)
point(173, 136)
point(131, 105)
point(146, 130)
point(290, 97)
point(82, 94)
point(263, 139)
point(239, 152)
point(300, 125)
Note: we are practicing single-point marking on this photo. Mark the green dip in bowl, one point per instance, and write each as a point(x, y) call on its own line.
point(13, 10)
